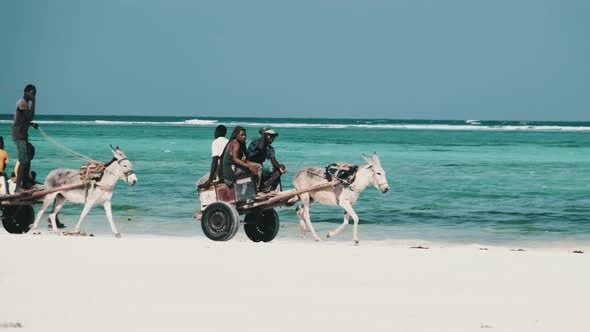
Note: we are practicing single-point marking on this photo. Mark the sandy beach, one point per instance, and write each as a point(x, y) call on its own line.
point(57, 283)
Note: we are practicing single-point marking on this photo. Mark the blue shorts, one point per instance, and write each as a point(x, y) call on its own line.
point(22, 148)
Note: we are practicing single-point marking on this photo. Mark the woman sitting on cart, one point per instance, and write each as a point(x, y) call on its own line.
point(233, 162)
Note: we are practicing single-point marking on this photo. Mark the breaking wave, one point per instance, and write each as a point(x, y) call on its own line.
point(340, 124)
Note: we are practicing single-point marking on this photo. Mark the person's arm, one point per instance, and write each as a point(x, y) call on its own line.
point(30, 114)
point(4, 162)
point(261, 142)
point(275, 163)
point(255, 148)
point(213, 171)
point(271, 156)
point(235, 149)
point(33, 101)
point(28, 110)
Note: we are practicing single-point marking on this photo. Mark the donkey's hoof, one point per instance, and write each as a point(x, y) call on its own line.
point(356, 242)
point(317, 239)
point(118, 235)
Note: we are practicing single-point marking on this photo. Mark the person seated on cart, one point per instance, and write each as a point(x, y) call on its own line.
point(261, 149)
point(233, 163)
point(217, 148)
point(3, 156)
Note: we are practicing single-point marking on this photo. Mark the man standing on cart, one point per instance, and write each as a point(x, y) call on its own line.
point(23, 116)
point(261, 149)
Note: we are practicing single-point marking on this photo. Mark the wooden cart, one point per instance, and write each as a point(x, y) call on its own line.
point(221, 207)
point(18, 213)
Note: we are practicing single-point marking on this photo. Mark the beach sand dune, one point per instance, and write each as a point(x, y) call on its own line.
point(53, 283)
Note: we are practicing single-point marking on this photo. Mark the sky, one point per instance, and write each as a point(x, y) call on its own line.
point(407, 59)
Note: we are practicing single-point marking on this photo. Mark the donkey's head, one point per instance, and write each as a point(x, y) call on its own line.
point(378, 178)
point(123, 167)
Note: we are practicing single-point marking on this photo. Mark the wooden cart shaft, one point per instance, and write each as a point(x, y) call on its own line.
point(33, 197)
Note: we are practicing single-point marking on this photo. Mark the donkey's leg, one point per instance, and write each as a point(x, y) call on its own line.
point(345, 204)
point(87, 207)
point(306, 201)
point(341, 227)
point(46, 202)
point(301, 217)
point(109, 212)
point(59, 203)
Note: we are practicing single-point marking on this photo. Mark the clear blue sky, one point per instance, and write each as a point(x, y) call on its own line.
point(410, 59)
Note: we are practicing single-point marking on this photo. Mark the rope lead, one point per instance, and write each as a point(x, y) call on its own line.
point(68, 150)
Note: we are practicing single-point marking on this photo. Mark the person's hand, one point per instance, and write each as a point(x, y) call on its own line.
point(253, 169)
point(29, 96)
point(282, 169)
point(35, 125)
point(204, 185)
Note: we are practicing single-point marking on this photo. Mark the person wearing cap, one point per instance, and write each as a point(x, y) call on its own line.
point(260, 149)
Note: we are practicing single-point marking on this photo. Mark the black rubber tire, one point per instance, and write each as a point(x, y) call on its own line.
point(17, 219)
point(262, 226)
point(220, 221)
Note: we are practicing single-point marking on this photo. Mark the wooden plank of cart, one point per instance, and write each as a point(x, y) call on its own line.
point(222, 206)
point(17, 209)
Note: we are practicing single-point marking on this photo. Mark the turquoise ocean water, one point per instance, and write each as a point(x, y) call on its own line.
point(461, 181)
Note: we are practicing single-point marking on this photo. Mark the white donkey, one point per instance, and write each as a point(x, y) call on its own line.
point(96, 192)
point(342, 194)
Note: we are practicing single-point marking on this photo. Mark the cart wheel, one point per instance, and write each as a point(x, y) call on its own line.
point(220, 221)
point(262, 226)
point(16, 219)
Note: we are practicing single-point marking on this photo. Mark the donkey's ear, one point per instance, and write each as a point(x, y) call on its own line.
point(376, 158)
point(367, 159)
point(118, 153)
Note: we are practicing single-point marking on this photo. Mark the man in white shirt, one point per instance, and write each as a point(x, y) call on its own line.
point(217, 148)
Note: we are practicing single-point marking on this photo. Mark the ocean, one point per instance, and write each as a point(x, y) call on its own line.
point(463, 181)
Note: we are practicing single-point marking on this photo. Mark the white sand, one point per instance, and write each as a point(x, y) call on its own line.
point(53, 283)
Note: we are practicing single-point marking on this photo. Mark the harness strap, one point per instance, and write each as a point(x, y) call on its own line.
point(344, 172)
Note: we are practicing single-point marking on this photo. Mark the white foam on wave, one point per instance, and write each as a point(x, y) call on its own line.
point(52, 122)
point(473, 125)
point(200, 122)
point(193, 122)
point(416, 126)
point(151, 123)
point(289, 125)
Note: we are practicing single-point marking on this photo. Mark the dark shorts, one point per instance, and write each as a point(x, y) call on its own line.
point(22, 148)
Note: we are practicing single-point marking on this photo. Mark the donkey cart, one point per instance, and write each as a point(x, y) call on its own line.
point(221, 207)
point(17, 209)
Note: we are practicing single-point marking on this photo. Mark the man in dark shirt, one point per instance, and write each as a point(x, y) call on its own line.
point(259, 150)
point(23, 116)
